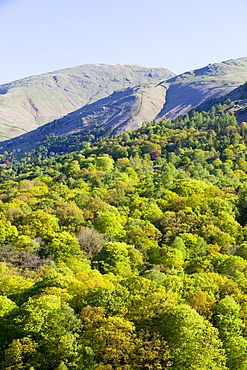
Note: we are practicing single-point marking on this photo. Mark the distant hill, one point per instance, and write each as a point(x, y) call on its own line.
point(31, 102)
point(123, 110)
point(190, 89)
point(143, 96)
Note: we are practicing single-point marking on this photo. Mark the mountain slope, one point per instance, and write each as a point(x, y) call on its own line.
point(126, 109)
point(191, 89)
point(123, 110)
point(28, 103)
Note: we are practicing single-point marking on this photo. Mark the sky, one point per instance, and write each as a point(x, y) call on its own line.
point(39, 36)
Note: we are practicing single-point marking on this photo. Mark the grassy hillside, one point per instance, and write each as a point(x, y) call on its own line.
point(113, 98)
point(31, 102)
point(192, 88)
point(123, 110)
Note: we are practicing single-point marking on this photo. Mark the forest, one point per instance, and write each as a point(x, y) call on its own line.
point(128, 252)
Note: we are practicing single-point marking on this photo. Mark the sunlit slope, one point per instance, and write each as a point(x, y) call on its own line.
point(115, 98)
point(31, 102)
point(123, 110)
point(191, 89)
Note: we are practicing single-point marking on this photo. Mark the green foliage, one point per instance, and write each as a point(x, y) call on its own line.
point(21, 354)
point(63, 246)
point(6, 305)
point(230, 328)
point(115, 261)
point(108, 221)
point(118, 258)
point(113, 300)
point(192, 340)
point(8, 233)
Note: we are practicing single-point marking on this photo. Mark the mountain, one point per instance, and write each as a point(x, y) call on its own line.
point(190, 89)
point(31, 102)
point(123, 110)
point(127, 108)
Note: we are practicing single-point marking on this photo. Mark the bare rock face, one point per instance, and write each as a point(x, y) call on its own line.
point(31, 102)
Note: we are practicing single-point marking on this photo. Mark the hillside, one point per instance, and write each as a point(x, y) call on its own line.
point(31, 102)
point(128, 107)
point(190, 89)
point(123, 110)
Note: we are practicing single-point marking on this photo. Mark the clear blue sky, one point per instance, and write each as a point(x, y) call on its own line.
point(39, 36)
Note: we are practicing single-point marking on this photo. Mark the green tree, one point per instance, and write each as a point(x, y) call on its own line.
point(113, 300)
point(63, 246)
point(39, 224)
point(230, 328)
point(8, 232)
point(6, 305)
point(108, 221)
point(118, 258)
point(193, 341)
point(53, 326)
point(21, 354)
point(104, 163)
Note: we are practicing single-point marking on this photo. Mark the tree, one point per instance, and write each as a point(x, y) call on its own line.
point(113, 300)
point(90, 241)
point(113, 341)
point(108, 221)
point(12, 286)
point(39, 224)
point(118, 258)
point(144, 208)
point(151, 352)
point(8, 232)
point(104, 163)
point(242, 205)
point(195, 245)
point(188, 187)
point(63, 246)
point(203, 303)
point(6, 305)
point(139, 231)
point(147, 301)
point(242, 251)
point(68, 213)
point(178, 243)
point(166, 258)
point(193, 341)
point(53, 326)
point(117, 345)
point(73, 169)
point(21, 354)
point(230, 327)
